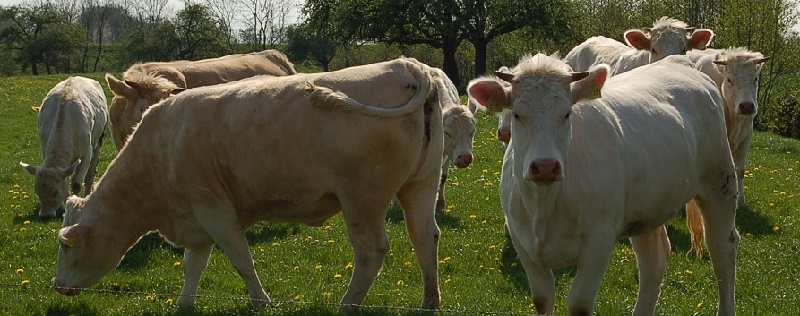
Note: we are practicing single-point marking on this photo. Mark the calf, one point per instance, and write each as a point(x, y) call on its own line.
point(736, 72)
point(72, 121)
point(228, 157)
point(580, 173)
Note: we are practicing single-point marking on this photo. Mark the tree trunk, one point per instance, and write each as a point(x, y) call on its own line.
point(34, 68)
point(450, 66)
point(481, 42)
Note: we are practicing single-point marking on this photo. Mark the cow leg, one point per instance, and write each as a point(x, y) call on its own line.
point(719, 212)
point(441, 203)
point(367, 232)
point(424, 234)
point(739, 160)
point(92, 172)
point(542, 284)
point(221, 224)
point(592, 263)
point(652, 250)
point(195, 261)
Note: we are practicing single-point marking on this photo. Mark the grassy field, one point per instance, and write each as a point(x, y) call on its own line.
point(305, 270)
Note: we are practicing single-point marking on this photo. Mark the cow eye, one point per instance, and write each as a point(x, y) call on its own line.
point(730, 81)
point(653, 50)
point(566, 116)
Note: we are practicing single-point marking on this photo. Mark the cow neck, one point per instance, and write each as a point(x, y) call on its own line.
point(131, 196)
point(738, 128)
point(541, 207)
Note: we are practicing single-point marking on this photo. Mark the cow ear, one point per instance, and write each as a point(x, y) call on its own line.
point(586, 86)
point(637, 39)
point(68, 171)
point(700, 39)
point(72, 236)
point(761, 60)
point(119, 87)
point(30, 169)
point(490, 93)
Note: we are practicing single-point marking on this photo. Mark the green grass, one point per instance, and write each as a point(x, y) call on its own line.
point(299, 265)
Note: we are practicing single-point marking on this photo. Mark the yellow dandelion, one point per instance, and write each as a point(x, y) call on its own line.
point(23, 229)
point(348, 266)
point(771, 204)
point(169, 301)
point(451, 206)
point(276, 244)
point(330, 241)
point(400, 283)
point(318, 267)
point(26, 223)
point(16, 186)
point(447, 281)
point(748, 235)
point(483, 222)
point(24, 282)
point(485, 171)
point(492, 247)
point(513, 264)
point(327, 294)
point(688, 272)
point(337, 276)
point(790, 169)
point(473, 216)
point(328, 227)
point(408, 263)
point(150, 298)
point(454, 184)
point(298, 297)
point(776, 229)
point(700, 305)
point(176, 264)
point(26, 196)
point(782, 193)
point(19, 271)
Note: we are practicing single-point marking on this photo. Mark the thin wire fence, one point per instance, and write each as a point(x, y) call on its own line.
point(272, 303)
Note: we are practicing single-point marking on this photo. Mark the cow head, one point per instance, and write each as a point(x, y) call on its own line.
point(51, 184)
point(543, 90)
point(132, 97)
point(740, 69)
point(86, 252)
point(668, 37)
point(459, 131)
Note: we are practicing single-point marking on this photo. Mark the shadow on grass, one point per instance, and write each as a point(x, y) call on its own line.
point(301, 310)
point(59, 309)
point(750, 221)
point(266, 232)
point(513, 271)
point(139, 255)
point(394, 216)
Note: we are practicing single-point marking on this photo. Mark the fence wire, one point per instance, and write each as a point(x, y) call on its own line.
point(272, 303)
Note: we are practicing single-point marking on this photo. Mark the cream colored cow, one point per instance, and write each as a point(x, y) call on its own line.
point(145, 84)
point(736, 73)
point(667, 37)
point(72, 122)
point(288, 149)
point(582, 172)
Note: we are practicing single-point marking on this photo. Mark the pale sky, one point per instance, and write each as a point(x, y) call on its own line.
point(177, 5)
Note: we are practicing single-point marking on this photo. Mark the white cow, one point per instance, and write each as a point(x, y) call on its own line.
point(580, 174)
point(667, 37)
point(736, 72)
point(234, 154)
point(72, 122)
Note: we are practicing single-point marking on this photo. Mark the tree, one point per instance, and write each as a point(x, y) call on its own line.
point(199, 34)
point(265, 22)
point(442, 24)
point(40, 35)
point(303, 42)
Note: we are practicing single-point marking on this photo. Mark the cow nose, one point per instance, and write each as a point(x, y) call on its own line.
point(64, 290)
point(463, 161)
point(545, 170)
point(747, 108)
point(504, 134)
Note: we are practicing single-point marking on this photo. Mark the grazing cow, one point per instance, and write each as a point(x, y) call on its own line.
point(72, 122)
point(736, 72)
point(228, 157)
point(580, 174)
point(145, 84)
point(667, 37)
